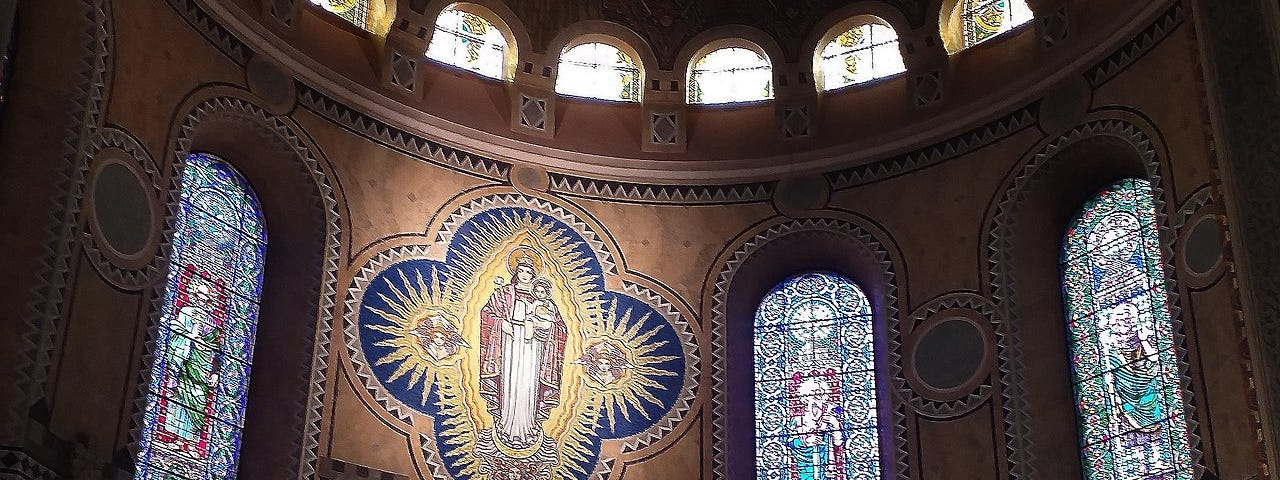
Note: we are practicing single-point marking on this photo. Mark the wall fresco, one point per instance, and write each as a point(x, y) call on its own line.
point(514, 350)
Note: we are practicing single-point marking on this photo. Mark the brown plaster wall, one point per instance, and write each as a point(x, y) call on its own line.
point(938, 219)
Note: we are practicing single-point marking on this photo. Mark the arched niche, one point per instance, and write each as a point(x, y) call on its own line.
point(1025, 231)
point(300, 215)
point(762, 262)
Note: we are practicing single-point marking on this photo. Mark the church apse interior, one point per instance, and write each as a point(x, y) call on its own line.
point(640, 239)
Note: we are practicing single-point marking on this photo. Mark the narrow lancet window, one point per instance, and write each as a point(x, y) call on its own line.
point(815, 381)
point(1129, 398)
point(195, 400)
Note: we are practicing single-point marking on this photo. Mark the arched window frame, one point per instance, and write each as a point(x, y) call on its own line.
point(1096, 384)
point(509, 49)
point(638, 82)
point(692, 84)
point(822, 76)
point(852, 422)
point(357, 12)
point(197, 293)
point(958, 14)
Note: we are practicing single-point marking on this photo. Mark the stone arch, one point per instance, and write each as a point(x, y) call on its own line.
point(290, 178)
point(754, 263)
point(1024, 234)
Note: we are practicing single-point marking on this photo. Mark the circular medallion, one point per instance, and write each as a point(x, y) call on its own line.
point(1202, 250)
point(949, 354)
point(122, 214)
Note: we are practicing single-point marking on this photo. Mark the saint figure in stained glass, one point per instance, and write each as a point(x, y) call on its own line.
point(815, 381)
point(1127, 383)
point(194, 410)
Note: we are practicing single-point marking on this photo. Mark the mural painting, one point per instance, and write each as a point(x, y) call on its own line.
point(509, 342)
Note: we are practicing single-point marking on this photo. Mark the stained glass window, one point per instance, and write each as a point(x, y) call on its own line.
point(863, 53)
point(731, 74)
point(468, 41)
point(815, 381)
point(598, 70)
point(984, 19)
point(196, 394)
point(1129, 399)
point(354, 11)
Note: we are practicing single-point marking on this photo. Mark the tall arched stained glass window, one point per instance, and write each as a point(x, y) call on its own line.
point(354, 11)
point(1129, 399)
point(204, 346)
point(598, 70)
point(731, 74)
point(815, 381)
point(468, 41)
point(984, 19)
point(861, 54)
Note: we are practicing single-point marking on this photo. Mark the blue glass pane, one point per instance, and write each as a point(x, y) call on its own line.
point(196, 395)
point(1129, 400)
point(815, 382)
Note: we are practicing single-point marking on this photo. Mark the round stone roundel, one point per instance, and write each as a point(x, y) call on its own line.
point(949, 354)
point(121, 210)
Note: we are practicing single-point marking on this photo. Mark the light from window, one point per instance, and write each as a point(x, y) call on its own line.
point(984, 19)
point(815, 381)
point(731, 74)
point(598, 70)
point(864, 53)
point(200, 376)
point(1129, 399)
point(468, 41)
point(354, 11)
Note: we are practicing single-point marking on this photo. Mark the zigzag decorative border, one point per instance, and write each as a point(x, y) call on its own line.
point(981, 392)
point(1142, 43)
point(17, 465)
point(194, 13)
point(49, 291)
point(131, 279)
point(719, 322)
point(583, 187)
point(309, 414)
point(385, 259)
point(932, 155)
point(400, 140)
point(1004, 291)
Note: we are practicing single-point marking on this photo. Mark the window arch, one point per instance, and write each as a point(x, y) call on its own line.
point(355, 11)
point(197, 389)
point(815, 381)
point(971, 22)
point(865, 52)
point(598, 70)
point(1129, 400)
point(469, 41)
point(731, 74)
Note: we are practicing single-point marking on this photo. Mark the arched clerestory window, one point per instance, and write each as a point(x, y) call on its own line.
point(865, 52)
point(598, 70)
point(469, 41)
point(982, 20)
point(354, 11)
point(730, 74)
point(815, 381)
point(1129, 399)
point(199, 377)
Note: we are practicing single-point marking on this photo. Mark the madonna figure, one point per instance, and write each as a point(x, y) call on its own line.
point(522, 340)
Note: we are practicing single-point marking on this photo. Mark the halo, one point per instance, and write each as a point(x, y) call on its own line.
point(521, 253)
